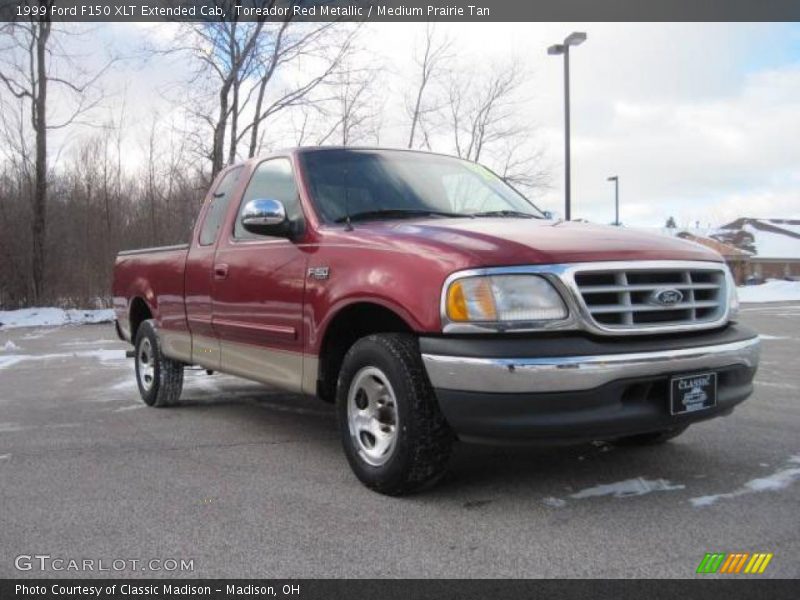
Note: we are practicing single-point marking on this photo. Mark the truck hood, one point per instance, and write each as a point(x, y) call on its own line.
point(508, 241)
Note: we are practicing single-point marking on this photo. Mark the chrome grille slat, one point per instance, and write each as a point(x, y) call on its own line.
point(613, 308)
point(600, 289)
point(622, 298)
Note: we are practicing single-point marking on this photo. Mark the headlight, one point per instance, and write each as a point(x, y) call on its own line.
point(503, 298)
point(733, 297)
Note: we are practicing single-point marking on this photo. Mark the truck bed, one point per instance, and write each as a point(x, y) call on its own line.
point(156, 275)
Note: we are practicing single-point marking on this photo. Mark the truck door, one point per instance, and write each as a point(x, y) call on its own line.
point(199, 274)
point(258, 286)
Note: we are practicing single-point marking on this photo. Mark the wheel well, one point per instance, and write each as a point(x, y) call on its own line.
point(348, 326)
point(140, 312)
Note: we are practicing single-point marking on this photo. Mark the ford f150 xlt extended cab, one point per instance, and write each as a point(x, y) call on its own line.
point(432, 302)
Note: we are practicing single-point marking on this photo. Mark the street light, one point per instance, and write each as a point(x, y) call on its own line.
point(615, 179)
point(573, 39)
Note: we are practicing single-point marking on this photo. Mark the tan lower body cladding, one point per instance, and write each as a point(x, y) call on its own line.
point(292, 371)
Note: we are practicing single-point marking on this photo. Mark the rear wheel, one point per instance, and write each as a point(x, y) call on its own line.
point(160, 379)
point(394, 435)
point(651, 439)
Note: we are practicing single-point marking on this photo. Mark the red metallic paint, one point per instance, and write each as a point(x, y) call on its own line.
point(268, 300)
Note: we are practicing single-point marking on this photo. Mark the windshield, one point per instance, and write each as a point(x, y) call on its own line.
point(385, 184)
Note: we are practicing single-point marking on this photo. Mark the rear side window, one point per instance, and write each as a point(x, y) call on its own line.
point(273, 179)
point(219, 207)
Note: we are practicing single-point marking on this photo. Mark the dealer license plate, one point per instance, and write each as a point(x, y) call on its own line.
point(690, 393)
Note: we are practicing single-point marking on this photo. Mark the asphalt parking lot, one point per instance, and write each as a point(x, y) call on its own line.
point(251, 482)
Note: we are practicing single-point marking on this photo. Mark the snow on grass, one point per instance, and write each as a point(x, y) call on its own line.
point(50, 317)
point(638, 486)
point(774, 290)
point(779, 480)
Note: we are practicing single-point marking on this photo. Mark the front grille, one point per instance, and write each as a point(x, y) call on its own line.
point(629, 298)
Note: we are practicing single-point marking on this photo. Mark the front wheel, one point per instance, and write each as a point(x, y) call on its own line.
point(160, 379)
point(394, 435)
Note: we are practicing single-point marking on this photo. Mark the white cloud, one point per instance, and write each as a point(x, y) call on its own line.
point(700, 121)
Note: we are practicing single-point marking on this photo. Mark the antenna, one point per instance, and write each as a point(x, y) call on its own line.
point(348, 226)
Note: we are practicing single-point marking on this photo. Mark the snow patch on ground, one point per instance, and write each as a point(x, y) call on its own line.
point(49, 317)
point(104, 356)
point(638, 486)
point(129, 383)
point(773, 290)
point(10, 427)
point(5, 456)
point(10, 346)
point(82, 343)
point(554, 502)
point(130, 407)
point(779, 480)
point(8, 361)
point(764, 336)
point(772, 384)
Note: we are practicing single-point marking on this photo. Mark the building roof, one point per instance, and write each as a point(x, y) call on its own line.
point(729, 251)
point(767, 239)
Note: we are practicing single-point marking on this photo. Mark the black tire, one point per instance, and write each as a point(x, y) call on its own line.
point(422, 438)
point(165, 376)
point(653, 438)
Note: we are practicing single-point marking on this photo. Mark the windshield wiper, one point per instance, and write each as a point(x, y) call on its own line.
point(398, 213)
point(505, 213)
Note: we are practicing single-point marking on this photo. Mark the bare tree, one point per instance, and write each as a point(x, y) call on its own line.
point(482, 110)
point(247, 72)
point(522, 164)
point(483, 113)
point(353, 113)
point(430, 60)
point(27, 71)
point(224, 50)
point(325, 45)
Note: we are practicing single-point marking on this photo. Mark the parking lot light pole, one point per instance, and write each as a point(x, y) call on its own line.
point(573, 39)
point(615, 179)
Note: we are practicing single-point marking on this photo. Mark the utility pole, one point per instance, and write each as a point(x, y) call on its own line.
point(615, 179)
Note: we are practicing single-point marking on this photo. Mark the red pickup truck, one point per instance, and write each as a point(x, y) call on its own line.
point(432, 302)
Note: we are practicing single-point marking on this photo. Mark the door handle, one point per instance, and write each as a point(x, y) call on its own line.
point(220, 271)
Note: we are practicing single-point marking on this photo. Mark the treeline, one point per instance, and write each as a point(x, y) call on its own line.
point(94, 209)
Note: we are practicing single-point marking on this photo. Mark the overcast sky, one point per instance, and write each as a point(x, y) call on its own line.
point(700, 121)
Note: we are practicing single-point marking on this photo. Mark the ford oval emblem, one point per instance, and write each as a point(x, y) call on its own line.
point(666, 296)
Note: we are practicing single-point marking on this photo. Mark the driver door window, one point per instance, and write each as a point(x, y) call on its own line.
point(273, 179)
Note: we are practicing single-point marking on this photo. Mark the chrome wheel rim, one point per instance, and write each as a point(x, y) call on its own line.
point(372, 416)
point(145, 361)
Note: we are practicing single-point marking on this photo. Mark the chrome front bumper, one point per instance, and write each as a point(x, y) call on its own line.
point(577, 373)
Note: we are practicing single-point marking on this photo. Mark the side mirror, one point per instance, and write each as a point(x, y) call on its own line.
point(548, 215)
point(265, 217)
